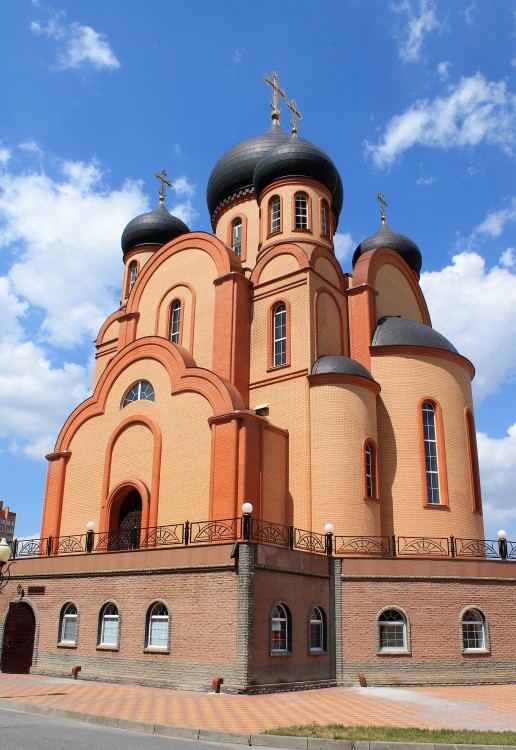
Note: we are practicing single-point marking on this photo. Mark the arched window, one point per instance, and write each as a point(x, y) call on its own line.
point(301, 211)
point(474, 477)
point(140, 391)
point(275, 215)
point(175, 321)
point(370, 485)
point(281, 629)
point(317, 629)
point(433, 494)
point(68, 624)
point(324, 218)
point(236, 236)
point(473, 630)
point(279, 335)
point(392, 631)
point(157, 626)
point(108, 625)
point(133, 273)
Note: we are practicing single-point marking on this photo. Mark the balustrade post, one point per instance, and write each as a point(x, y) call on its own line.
point(15, 548)
point(393, 540)
point(49, 546)
point(187, 533)
point(502, 548)
point(291, 536)
point(452, 545)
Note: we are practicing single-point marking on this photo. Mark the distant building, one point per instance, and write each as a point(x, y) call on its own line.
point(241, 367)
point(7, 523)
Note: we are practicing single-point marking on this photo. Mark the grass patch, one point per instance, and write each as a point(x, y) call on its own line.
point(397, 734)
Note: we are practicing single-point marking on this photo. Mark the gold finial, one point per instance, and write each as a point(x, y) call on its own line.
point(296, 115)
point(272, 80)
point(162, 177)
point(383, 203)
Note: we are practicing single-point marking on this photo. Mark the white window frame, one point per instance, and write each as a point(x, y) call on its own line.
point(67, 618)
point(157, 615)
point(279, 334)
point(476, 625)
point(109, 614)
point(175, 322)
point(317, 631)
point(280, 623)
point(324, 219)
point(389, 630)
point(236, 237)
point(275, 214)
point(300, 211)
point(133, 274)
point(143, 390)
point(431, 454)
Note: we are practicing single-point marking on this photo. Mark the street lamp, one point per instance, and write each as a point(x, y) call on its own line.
point(247, 509)
point(329, 528)
point(90, 535)
point(502, 544)
point(5, 556)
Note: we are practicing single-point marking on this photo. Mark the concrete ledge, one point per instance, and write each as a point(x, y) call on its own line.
point(105, 721)
point(136, 726)
point(215, 736)
point(278, 740)
point(186, 733)
point(64, 713)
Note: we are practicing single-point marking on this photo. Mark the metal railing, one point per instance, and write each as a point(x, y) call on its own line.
point(248, 528)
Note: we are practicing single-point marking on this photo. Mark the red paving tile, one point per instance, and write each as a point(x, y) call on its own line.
point(474, 707)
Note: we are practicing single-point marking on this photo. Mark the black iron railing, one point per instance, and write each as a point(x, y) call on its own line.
point(247, 528)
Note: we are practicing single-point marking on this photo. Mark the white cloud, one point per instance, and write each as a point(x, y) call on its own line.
point(418, 20)
point(474, 307)
point(443, 69)
point(237, 55)
point(508, 258)
point(182, 187)
point(474, 111)
point(5, 155)
point(344, 245)
point(82, 45)
point(468, 13)
point(426, 180)
point(495, 221)
point(497, 459)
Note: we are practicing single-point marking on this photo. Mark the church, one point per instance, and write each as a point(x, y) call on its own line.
point(274, 484)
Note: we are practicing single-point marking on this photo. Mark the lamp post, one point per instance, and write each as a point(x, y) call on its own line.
point(247, 509)
point(90, 535)
point(329, 538)
point(502, 544)
point(5, 556)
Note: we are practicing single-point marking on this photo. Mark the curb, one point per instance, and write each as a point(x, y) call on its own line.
point(252, 739)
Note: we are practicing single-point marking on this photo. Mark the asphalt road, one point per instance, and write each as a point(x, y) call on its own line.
point(23, 731)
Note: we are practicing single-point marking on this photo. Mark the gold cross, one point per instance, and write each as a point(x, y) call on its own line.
point(272, 80)
point(162, 177)
point(296, 115)
point(383, 203)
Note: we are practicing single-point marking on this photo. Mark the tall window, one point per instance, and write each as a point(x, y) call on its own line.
point(279, 332)
point(140, 391)
point(431, 457)
point(392, 630)
point(324, 218)
point(175, 321)
point(476, 497)
point(280, 629)
point(157, 626)
point(275, 214)
point(370, 469)
point(133, 273)
point(301, 211)
point(236, 237)
point(68, 626)
point(317, 629)
point(109, 620)
point(473, 630)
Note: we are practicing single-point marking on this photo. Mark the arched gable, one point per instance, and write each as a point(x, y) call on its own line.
point(276, 251)
point(322, 252)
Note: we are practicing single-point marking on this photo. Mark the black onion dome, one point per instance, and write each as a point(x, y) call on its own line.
point(385, 237)
point(299, 158)
point(155, 228)
point(398, 331)
point(233, 173)
point(335, 364)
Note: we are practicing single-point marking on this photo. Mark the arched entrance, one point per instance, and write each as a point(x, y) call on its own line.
point(130, 521)
point(19, 633)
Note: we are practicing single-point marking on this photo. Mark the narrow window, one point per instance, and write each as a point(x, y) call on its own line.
point(301, 211)
point(175, 320)
point(157, 626)
point(279, 333)
point(236, 237)
point(275, 214)
point(473, 630)
point(68, 630)
point(280, 629)
point(140, 391)
point(431, 457)
point(369, 467)
point(133, 273)
point(317, 626)
point(109, 626)
point(324, 219)
point(393, 630)
point(474, 477)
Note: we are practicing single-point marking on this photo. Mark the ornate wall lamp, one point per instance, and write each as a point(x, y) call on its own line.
point(5, 556)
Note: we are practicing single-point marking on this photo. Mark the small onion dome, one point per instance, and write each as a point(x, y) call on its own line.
point(299, 158)
point(335, 364)
point(385, 237)
point(398, 331)
point(233, 173)
point(155, 228)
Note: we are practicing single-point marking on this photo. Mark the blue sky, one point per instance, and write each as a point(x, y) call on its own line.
point(412, 97)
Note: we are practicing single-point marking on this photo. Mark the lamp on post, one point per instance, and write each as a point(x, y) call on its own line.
point(90, 535)
point(502, 544)
point(5, 556)
point(247, 509)
point(329, 538)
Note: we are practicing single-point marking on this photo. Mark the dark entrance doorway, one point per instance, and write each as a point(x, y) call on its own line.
point(130, 521)
point(19, 632)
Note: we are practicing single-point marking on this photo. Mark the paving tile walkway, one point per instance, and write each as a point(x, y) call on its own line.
point(474, 707)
